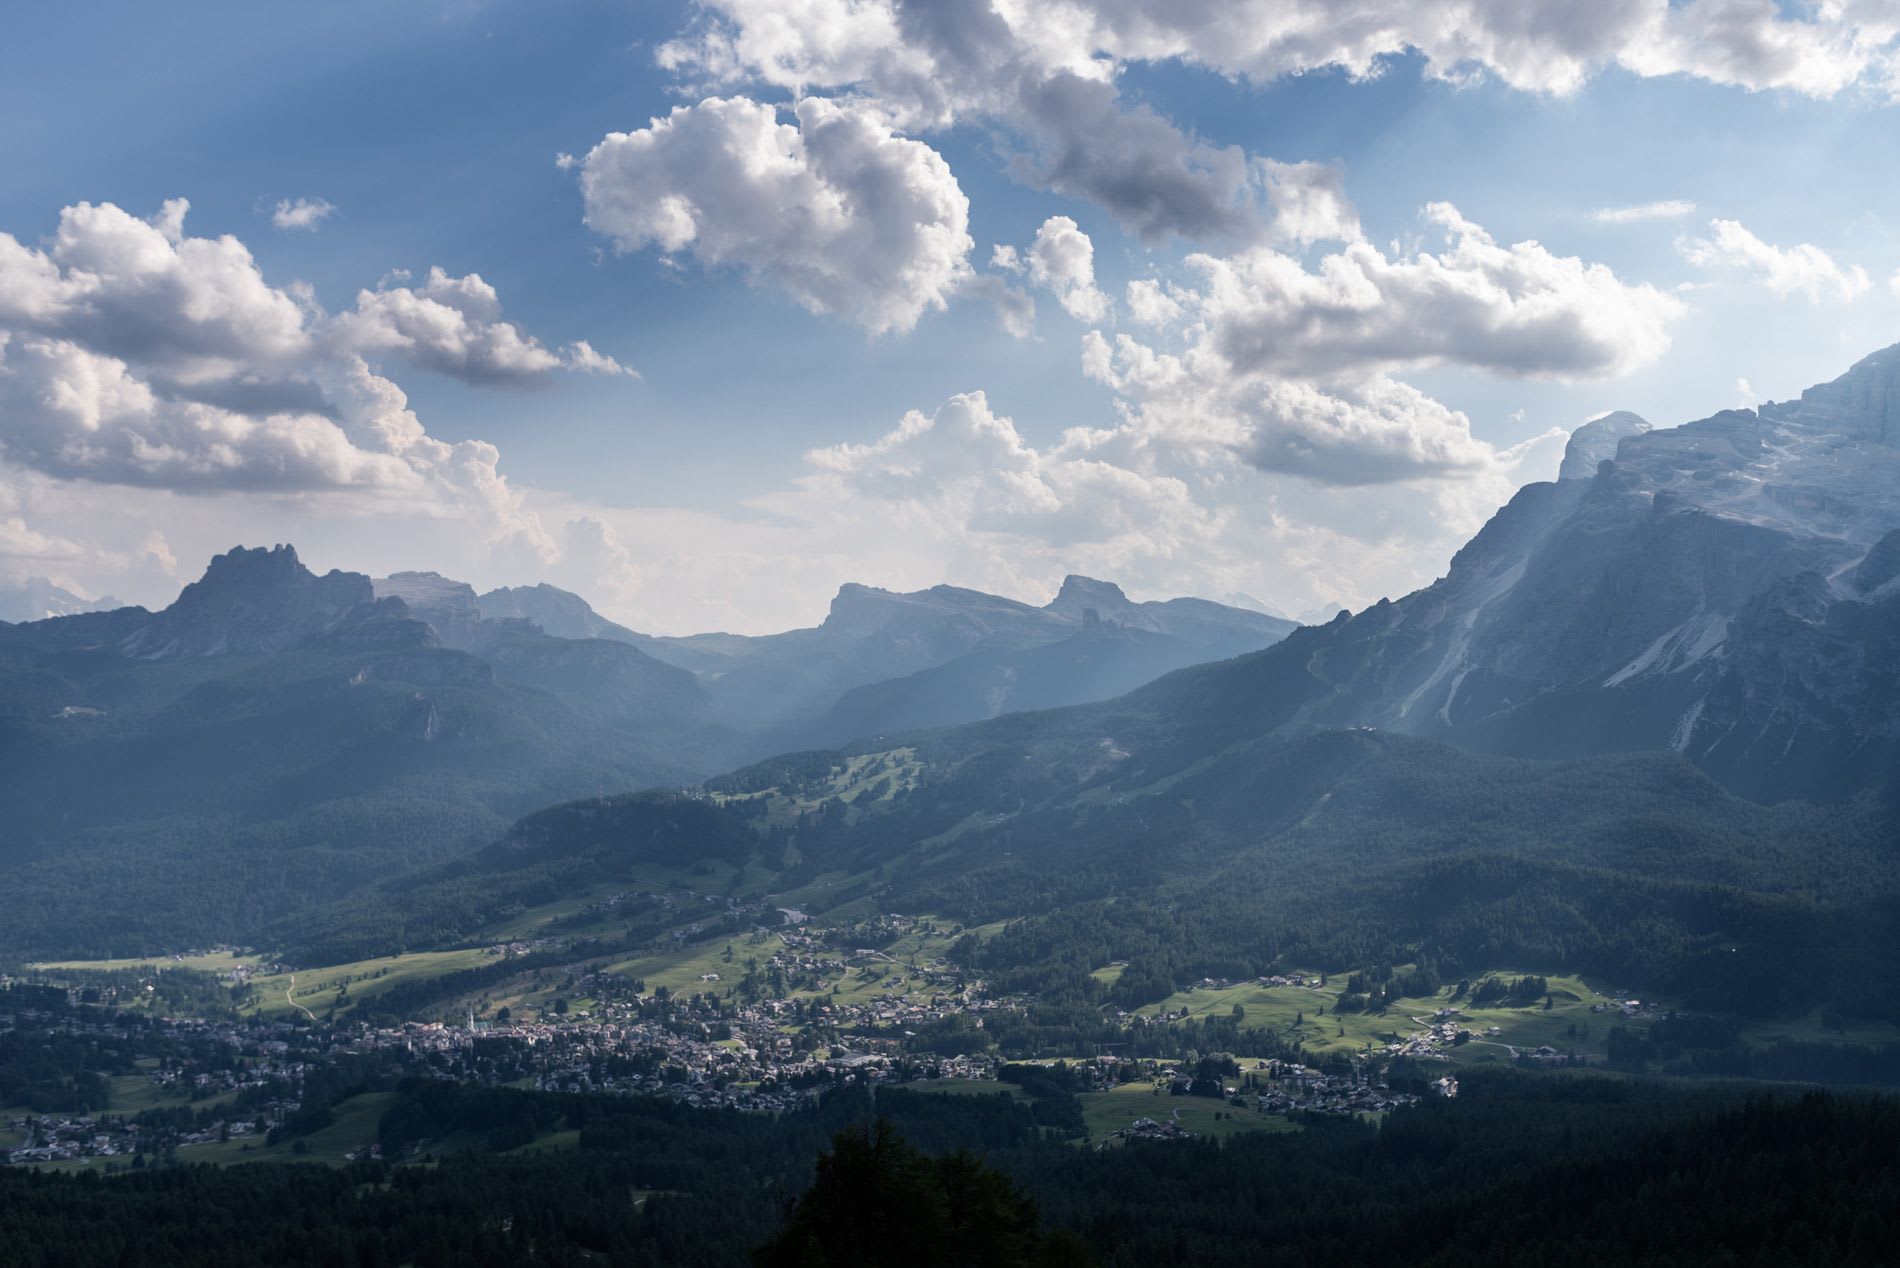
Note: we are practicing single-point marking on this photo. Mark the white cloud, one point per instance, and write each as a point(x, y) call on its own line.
point(1047, 73)
point(1518, 310)
point(453, 325)
point(834, 209)
point(1356, 430)
point(1287, 367)
point(1063, 259)
point(135, 355)
point(964, 479)
point(1310, 203)
point(1893, 283)
point(301, 213)
point(1805, 268)
point(1669, 209)
point(194, 309)
point(1546, 46)
point(1150, 303)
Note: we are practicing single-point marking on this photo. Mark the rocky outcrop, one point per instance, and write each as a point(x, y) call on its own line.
point(251, 602)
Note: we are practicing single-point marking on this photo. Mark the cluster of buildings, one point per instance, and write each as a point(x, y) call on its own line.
point(1294, 1088)
point(1151, 1129)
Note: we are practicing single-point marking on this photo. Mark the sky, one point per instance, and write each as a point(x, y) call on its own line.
point(702, 310)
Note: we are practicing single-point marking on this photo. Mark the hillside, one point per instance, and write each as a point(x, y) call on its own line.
point(274, 739)
point(1116, 837)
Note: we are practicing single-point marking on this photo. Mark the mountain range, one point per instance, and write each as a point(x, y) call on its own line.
point(1724, 589)
point(275, 738)
point(1696, 624)
point(1643, 727)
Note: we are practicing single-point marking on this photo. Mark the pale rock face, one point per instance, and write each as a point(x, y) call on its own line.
point(555, 611)
point(1596, 441)
point(449, 606)
point(1725, 588)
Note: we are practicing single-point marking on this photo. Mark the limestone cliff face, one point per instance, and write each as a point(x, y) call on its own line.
point(1595, 442)
point(1725, 588)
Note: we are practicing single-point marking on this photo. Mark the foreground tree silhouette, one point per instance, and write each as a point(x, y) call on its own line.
point(878, 1201)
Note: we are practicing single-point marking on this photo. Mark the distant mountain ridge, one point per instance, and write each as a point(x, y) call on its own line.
point(872, 636)
point(40, 599)
point(274, 737)
point(819, 685)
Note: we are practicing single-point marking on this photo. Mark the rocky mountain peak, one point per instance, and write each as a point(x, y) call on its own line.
point(1597, 440)
point(859, 607)
point(1863, 404)
point(1079, 594)
point(251, 600)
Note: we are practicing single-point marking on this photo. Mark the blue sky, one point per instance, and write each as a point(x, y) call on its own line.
point(1346, 460)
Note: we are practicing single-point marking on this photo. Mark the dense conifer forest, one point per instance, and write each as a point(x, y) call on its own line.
point(1559, 1170)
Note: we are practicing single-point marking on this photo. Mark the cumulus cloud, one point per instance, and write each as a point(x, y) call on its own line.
point(965, 470)
point(1515, 310)
point(1081, 139)
point(133, 354)
point(1287, 367)
point(1805, 269)
point(1546, 46)
point(1669, 209)
point(1310, 203)
point(453, 325)
point(1062, 259)
point(1150, 303)
point(1047, 73)
point(1357, 430)
point(301, 213)
point(834, 208)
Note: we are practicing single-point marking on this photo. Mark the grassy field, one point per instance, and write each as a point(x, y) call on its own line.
point(1307, 1014)
point(1109, 1112)
point(318, 989)
point(210, 962)
point(683, 968)
point(355, 1124)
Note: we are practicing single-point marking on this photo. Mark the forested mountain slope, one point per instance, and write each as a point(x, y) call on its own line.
point(274, 738)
